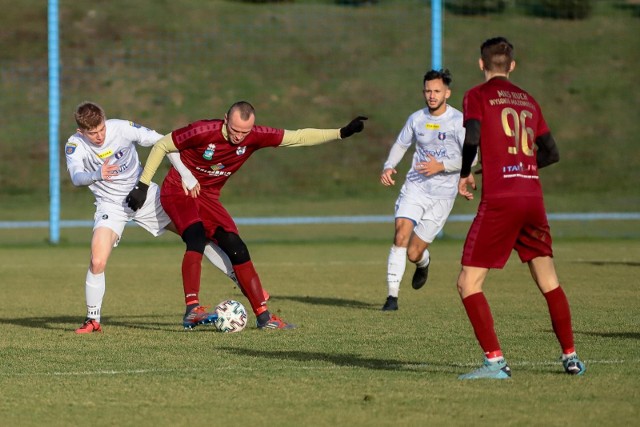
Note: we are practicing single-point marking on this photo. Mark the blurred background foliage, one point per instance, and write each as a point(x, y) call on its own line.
point(319, 63)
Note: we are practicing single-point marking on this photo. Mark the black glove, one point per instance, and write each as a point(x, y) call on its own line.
point(137, 196)
point(356, 125)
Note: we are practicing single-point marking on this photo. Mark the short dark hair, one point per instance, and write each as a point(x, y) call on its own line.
point(497, 54)
point(245, 109)
point(442, 74)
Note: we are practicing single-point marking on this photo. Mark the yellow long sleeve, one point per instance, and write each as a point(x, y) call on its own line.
point(308, 137)
point(160, 149)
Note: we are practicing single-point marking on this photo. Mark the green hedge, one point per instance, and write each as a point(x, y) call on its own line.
point(560, 9)
point(475, 7)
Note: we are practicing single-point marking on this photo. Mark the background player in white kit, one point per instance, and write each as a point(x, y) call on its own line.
point(430, 188)
point(102, 155)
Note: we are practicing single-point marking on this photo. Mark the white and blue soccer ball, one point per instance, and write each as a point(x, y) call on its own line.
point(232, 316)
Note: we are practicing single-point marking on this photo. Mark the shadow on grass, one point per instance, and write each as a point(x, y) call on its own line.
point(601, 263)
point(62, 323)
point(347, 360)
point(333, 302)
point(623, 335)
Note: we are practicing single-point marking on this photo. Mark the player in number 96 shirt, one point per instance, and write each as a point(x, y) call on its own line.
point(213, 150)
point(507, 124)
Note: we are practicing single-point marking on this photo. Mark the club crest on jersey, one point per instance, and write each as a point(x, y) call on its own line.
point(217, 167)
point(70, 148)
point(121, 153)
point(442, 136)
point(208, 153)
point(135, 125)
point(240, 150)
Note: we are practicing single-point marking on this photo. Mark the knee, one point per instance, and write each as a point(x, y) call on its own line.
point(97, 265)
point(469, 284)
point(195, 237)
point(401, 239)
point(233, 246)
point(414, 255)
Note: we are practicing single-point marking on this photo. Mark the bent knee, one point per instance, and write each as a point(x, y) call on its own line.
point(98, 265)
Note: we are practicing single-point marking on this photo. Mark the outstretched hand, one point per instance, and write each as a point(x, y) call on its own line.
point(136, 198)
point(356, 125)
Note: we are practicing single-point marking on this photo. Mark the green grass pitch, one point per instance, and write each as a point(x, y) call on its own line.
point(348, 363)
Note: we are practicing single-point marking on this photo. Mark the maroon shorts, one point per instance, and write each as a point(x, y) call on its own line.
point(504, 224)
point(185, 210)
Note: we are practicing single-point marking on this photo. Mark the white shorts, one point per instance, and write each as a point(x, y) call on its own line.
point(150, 216)
point(428, 215)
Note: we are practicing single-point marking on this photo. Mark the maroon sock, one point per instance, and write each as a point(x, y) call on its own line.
point(251, 287)
point(561, 318)
point(191, 271)
point(481, 319)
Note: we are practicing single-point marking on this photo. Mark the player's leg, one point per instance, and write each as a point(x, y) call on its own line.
point(194, 237)
point(478, 311)
point(215, 255)
point(534, 246)
point(153, 218)
point(101, 244)
point(489, 242)
point(469, 284)
point(248, 279)
point(407, 212)
point(397, 261)
point(434, 217)
point(543, 272)
point(183, 212)
point(418, 253)
point(109, 224)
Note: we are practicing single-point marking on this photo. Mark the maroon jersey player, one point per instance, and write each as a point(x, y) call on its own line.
point(506, 123)
point(213, 150)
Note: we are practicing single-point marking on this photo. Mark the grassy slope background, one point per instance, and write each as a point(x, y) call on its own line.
point(307, 64)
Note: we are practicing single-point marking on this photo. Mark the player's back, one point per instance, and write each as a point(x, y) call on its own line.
point(510, 120)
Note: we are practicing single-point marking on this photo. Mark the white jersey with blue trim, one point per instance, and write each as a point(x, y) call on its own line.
point(85, 159)
point(439, 136)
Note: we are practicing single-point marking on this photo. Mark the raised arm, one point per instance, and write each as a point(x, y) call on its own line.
point(310, 136)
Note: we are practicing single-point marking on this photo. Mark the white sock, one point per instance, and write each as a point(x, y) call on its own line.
point(395, 269)
point(218, 258)
point(568, 356)
point(425, 259)
point(94, 293)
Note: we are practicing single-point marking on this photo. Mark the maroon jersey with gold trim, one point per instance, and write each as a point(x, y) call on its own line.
point(510, 121)
point(210, 157)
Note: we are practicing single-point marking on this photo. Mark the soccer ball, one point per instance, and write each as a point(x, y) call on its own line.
point(232, 316)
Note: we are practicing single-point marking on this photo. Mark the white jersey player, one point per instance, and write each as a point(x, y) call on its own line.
point(102, 155)
point(431, 185)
